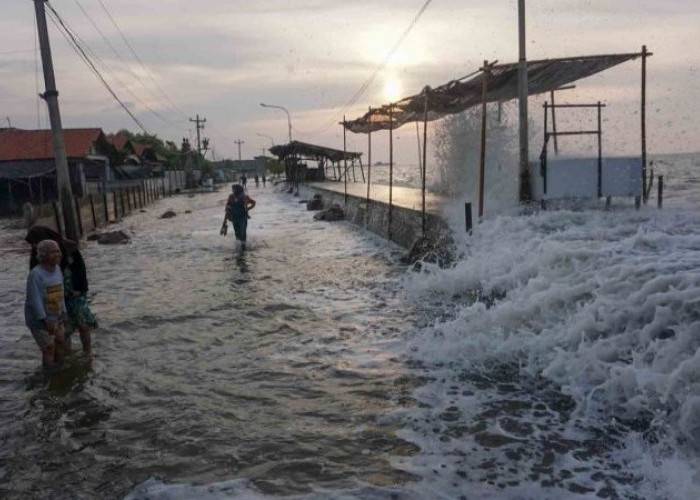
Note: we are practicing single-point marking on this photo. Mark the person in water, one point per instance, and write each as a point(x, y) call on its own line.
point(237, 208)
point(75, 284)
point(45, 307)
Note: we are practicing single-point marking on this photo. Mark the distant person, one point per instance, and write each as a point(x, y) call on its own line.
point(75, 284)
point(237, 208)
point(45, 307)
point(244, 181)
point(257, 180)
point(263, 179)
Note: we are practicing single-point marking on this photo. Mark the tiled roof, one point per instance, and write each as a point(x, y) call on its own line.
point(119, 141)
point(16, 144)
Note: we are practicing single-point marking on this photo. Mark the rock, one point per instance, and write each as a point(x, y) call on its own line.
point(188, 211)
point(113, 238)
point(168, 214)
point(93, 237)
point(315, 204)
point(142, 211)
point(438, 251)
point(332, 214)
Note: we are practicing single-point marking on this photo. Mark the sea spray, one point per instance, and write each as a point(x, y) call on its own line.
point(596, 321)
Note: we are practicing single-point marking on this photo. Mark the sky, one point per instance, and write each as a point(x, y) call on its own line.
point(173, 60)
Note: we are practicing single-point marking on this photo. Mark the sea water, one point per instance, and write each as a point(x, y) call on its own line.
point(558, 358)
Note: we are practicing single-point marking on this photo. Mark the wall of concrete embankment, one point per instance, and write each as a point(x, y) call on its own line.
point(406, 224)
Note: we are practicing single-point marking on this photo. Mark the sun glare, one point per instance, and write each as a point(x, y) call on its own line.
point(392, 89)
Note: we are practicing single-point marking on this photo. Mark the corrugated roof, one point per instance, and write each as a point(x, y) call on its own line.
point(306, 150)
point(16, 144)
point(502, 85)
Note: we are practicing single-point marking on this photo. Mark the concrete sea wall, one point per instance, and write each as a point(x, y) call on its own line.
point(406, 224)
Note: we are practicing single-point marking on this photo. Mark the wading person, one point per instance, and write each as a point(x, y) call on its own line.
point(237, 208)
point(75, 284)
point(45, 308)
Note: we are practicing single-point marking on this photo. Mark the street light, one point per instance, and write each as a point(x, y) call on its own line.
point(289, 120)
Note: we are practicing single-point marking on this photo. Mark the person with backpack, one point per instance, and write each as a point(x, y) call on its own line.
point(237, 208)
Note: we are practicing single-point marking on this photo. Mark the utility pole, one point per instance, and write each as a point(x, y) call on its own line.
point(65, 193)
point(199, 127)
point(239, 142)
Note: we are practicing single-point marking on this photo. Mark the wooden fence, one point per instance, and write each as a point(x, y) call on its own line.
point(98, 210)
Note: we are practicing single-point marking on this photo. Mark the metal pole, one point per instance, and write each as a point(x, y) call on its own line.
point(65, 193)
point(525, 188)
point(482, 160)
point(644, 123)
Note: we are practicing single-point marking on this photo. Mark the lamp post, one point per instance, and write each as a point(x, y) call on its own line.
point(289, 120)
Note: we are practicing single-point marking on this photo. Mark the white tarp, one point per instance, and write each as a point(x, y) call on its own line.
point(578, 178)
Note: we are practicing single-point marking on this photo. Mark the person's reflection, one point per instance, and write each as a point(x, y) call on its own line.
point(242, 263)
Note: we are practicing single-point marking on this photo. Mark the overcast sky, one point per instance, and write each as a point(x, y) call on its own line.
point(221, 58)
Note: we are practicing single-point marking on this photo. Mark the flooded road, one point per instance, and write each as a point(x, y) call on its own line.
point(212, 364)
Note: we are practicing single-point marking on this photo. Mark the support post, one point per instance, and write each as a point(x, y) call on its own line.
point(391, 167)
point(345, 161)
point(643, 115)
point(369, 160)
point(600, 150)
point(79, 216)
point(554, 123)
point(468, 217)
point(65, 192)
point(92, 211)
point(425, 147)
point(482, 159)
point(525, 187)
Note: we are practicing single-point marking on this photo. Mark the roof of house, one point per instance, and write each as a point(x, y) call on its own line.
point(16, 144)
point(119, 141)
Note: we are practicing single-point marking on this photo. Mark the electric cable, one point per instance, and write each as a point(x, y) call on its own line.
point(60, 24)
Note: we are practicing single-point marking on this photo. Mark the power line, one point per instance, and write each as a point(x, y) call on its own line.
point(148, 71)
point(380, 67)
point(109, 44)
point(58, 21)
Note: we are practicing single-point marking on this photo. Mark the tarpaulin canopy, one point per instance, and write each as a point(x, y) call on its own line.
point(312, 151)
point(501, 84)
point(22, 169)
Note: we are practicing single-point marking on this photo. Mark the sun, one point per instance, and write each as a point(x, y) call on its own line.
point(392, 89)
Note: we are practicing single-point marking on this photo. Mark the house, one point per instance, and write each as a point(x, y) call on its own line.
point(28, 165)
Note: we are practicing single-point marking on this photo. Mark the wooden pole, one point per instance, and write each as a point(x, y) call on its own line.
point(525, 187)
point(369, 159)
point(600, 150)
point(554, 123)
point(345, 161)
point(644, 123)
point(425, 147)
point(391, 166)
point(482, 160)
point(92, 210)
